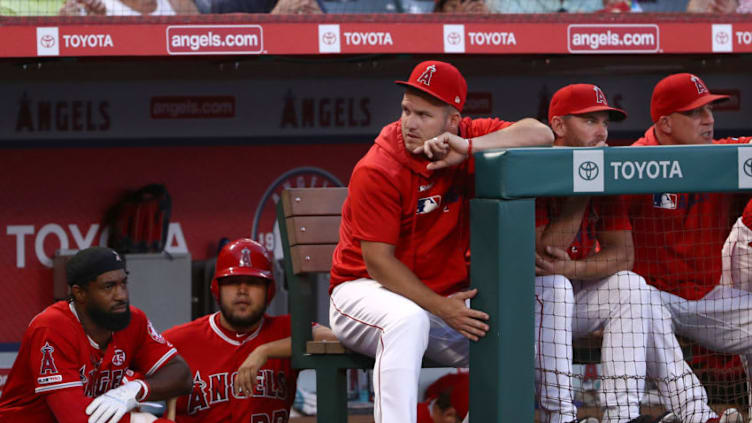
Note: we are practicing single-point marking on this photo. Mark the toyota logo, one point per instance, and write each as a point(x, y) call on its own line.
point(747, 167)
point(329, 38)
point(588, 170)
point(722, 38)
point(47, 41)
point(454, 38)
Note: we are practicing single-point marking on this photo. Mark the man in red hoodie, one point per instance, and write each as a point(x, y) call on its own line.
point(678, 237)
point(399, 271)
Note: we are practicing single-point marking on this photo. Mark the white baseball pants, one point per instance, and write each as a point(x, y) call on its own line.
point(637, 340)
point(377, 322)
point(720, 321)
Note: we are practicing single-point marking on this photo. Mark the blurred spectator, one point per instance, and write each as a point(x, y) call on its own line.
point(720, 6)
point(616, 6)
point(553, 6)
point(281, 7)
point(297, 7)
point(460, 6)
point(30, 7)
point(128, 7)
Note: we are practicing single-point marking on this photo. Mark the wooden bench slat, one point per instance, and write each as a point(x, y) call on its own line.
point(312, 258)
point(313, 201)
point(313, 229)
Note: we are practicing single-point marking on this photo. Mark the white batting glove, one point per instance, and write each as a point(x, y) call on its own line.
point(113, 404)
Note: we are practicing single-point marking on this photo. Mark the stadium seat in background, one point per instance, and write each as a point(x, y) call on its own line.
point(361, 6)
point(417, 6)
point(669, 6)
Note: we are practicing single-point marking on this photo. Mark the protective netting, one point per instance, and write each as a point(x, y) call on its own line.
point(643, 306)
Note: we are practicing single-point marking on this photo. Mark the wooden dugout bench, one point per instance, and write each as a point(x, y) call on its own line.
point(308, 221)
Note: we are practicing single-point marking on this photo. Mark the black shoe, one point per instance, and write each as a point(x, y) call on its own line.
point(644, 419)
point(667, 417)
point(586, 420)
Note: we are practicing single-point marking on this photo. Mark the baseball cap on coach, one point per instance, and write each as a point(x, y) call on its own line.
point(441, 80)
point(91, 262)
point(680, 92)
point(577, 99)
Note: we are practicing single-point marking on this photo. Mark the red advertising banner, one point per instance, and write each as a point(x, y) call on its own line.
point(616, 38)
point(215, 39)
point(739, 36)
point(211, 35)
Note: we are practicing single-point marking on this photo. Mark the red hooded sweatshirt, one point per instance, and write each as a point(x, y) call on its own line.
point(678, 237)
point(392, 198)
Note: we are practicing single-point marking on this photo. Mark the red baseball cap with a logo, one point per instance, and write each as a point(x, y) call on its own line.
point(680, 92)
point(578, 99)
point(440, 80)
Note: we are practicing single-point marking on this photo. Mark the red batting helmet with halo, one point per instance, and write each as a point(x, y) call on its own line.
point(246, 257)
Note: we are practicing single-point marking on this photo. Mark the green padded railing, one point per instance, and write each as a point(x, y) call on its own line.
point(537, 172)
point(502, 233)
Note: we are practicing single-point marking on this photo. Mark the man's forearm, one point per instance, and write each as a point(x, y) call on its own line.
point(598, 266)
point(616, 255)
point(281, 348)
point(524, 133)
point(562, 229)
point(172, 380)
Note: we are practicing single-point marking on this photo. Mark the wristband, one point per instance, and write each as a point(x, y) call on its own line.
point(144, 389)
point(469, 146)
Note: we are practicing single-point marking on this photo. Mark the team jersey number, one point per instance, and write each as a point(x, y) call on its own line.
point(279, 416)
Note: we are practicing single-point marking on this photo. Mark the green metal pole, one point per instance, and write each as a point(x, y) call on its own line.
point(331, 395)
point(502, 242)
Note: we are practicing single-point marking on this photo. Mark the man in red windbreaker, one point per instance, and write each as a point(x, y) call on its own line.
point(678, 237)
point(399, 270)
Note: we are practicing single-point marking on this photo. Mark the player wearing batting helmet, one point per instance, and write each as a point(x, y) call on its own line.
point(75, 354)
point(239, 356)
point(404, 234)
point(678, 236)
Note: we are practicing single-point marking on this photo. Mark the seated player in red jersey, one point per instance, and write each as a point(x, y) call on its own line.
point(239, 356)
point(446, 400)
point(678, 237)
point(75, 353)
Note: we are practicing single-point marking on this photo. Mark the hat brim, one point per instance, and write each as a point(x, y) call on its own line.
point(614, 114)
point(706, 99)
point(422, 88)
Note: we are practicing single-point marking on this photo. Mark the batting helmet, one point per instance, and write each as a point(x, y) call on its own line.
point(244, 257)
